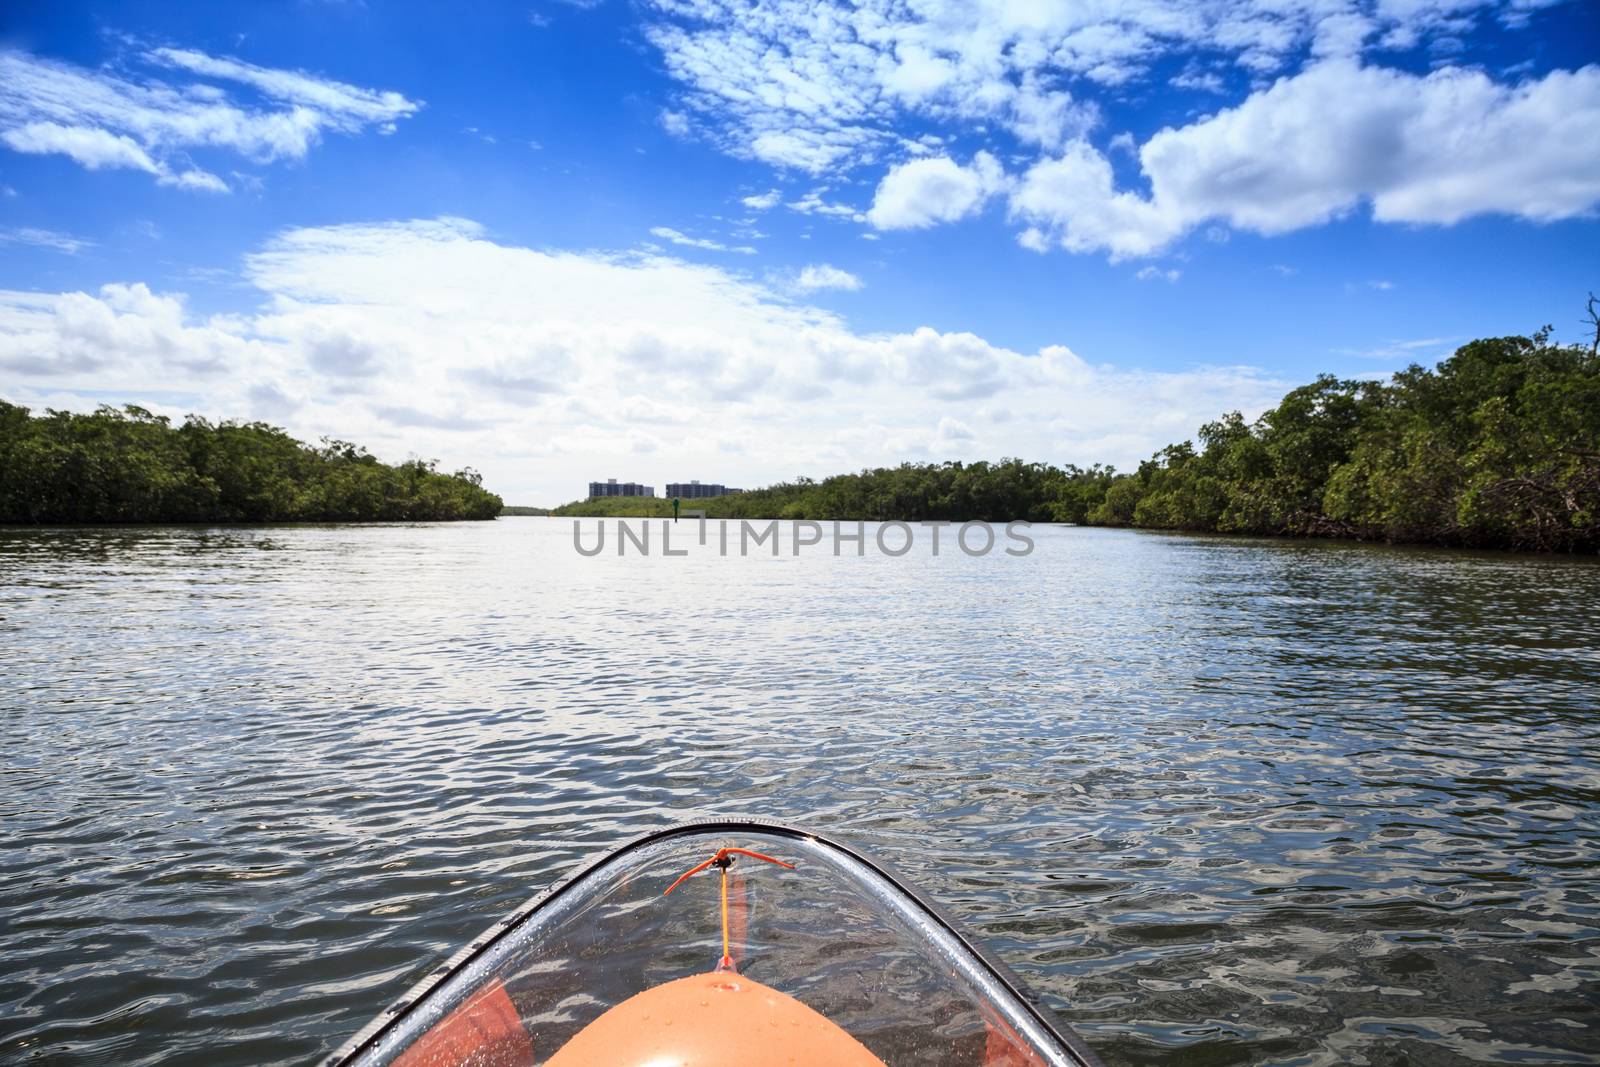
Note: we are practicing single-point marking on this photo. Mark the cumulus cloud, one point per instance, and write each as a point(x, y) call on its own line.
point(1320, 144)
point(827, 85)
point(823, 276)
point(428, 337)
point(1422, 149)
point(762, 201)
point(103, 120)
point(924, 192)
point(128, 332)
point(1072, 201)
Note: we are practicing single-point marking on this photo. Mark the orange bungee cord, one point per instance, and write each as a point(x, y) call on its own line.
point(723, 860)
point(725, 1019)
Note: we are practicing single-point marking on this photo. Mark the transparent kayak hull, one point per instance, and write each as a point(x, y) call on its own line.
point(833, 961)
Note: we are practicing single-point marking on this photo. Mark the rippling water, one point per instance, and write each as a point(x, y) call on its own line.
point(1219, 800)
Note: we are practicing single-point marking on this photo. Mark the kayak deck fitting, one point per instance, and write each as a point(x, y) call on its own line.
point(721, 943)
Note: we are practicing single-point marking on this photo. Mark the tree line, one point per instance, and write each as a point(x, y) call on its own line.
point(129, 465)
point(1497, 446)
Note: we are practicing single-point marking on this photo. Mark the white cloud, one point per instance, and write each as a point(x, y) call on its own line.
point(97, 149)
point(810, 85)
point(822, 276)
point(1072, 201)
point(924, 192)
point(1199, 81)
point(1151, 274)
point(193, 179)
point(667, 233)
point(829, 85)
point(341, 106)
point(1034, 240)
point(675, 122)
point(1342, 33)
point(762, 201)
point(93, 148)
point(1422, 149)
point(31, 235)
point(427, 337)
point(1320, 144)
point(102, 120)
point(815, 84)
point(125, 336)
point(951, 430)
point(1403, 352)
point(812, 203)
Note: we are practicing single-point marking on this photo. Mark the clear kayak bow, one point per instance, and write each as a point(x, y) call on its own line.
point(720, 944)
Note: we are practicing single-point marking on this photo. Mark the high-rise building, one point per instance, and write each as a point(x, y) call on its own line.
point(612, 487)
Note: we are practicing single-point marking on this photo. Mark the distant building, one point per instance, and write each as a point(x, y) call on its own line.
point(612, 487)
point(697, 490)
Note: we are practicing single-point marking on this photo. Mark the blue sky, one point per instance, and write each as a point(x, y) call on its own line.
point(689, 239)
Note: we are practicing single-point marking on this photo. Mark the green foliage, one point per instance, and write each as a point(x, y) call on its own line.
point(1120, 502)
point(129, 465)
point(1498, 446)
point(913, 492)
point(623, 507)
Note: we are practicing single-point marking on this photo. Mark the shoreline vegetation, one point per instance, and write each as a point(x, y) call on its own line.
point(1496, 447)
point(130, 466)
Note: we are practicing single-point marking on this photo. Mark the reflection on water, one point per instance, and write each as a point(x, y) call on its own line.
point(1219, 800)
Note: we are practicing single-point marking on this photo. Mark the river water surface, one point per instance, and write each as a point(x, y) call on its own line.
point(1219, 801)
